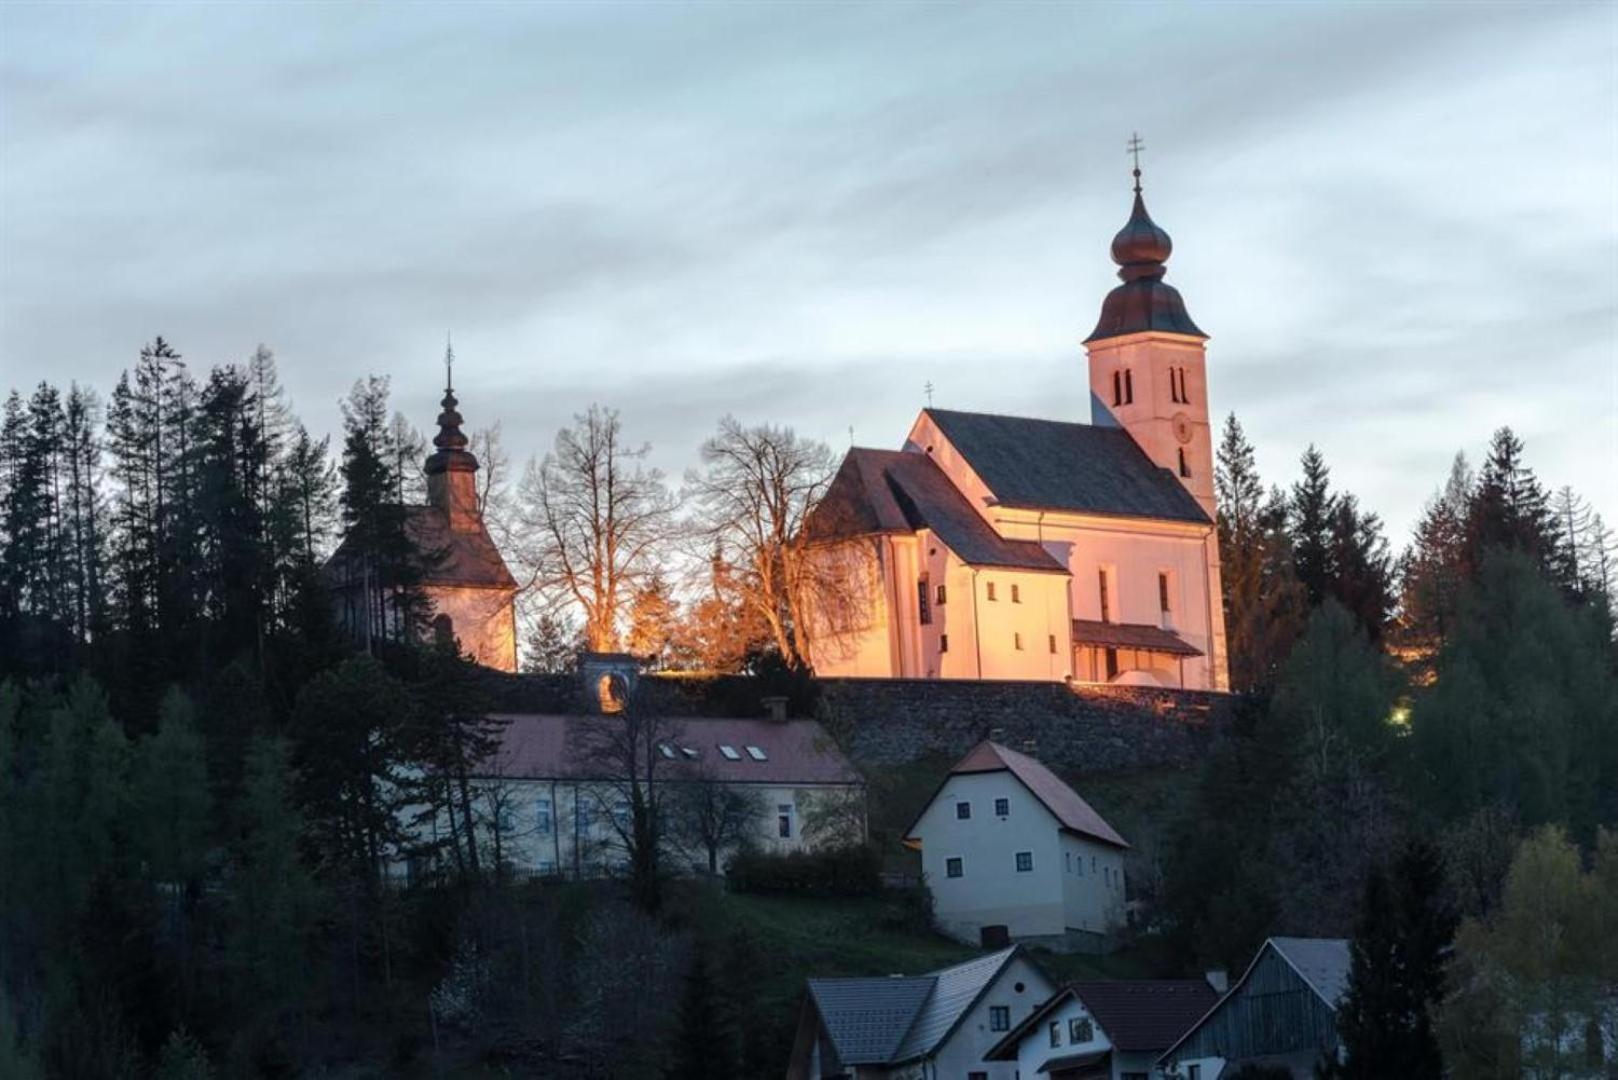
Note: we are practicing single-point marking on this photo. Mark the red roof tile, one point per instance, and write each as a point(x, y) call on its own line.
point(1131, 636)
point(1070, 810)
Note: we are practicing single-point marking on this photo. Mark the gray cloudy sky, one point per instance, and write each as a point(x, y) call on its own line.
point(1397, 221)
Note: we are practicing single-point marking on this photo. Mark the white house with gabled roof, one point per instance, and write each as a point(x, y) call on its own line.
point(1005, 843)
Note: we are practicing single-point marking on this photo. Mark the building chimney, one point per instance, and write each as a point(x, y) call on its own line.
point(1030, 747)
point(996, 734)
point(1218, 979)
point(775, 706)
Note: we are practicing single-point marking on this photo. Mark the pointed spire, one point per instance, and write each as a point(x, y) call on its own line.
point(449, 362)
point(451, 441)
point(1143, 301)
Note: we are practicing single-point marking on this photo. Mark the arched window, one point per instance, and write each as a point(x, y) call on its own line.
point(443, 630)
point(1117, 388)
point(1185, 466)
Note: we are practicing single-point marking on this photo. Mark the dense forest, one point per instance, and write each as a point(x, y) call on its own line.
point(199, 777)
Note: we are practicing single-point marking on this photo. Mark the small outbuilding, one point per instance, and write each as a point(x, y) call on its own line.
point(1008, 849)
point(1281, 1012)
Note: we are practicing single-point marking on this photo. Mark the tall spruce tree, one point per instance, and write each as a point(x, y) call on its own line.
point(1509, 509)
point(1311, 512)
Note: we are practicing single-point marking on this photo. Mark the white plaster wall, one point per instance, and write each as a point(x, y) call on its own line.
point(586, 844)
point(963, 1052)
point(1035, 1048)
point(860, 643)
point(485, 622)
point(1093, 885)
point(991, 891)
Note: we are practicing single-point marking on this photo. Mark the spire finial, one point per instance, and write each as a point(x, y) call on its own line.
point(449, 363)
point(1135, 147)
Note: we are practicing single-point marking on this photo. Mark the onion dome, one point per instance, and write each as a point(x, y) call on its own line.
point(1143, 302)
point(452, 454)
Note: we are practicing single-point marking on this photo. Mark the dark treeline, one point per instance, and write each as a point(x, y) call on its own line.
point(1404, 724)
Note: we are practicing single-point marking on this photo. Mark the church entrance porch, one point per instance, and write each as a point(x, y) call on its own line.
point(1129, 654)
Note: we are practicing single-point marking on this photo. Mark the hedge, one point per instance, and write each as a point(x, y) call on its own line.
point(844, 871)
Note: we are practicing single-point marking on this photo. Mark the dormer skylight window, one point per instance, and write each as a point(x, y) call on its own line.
point(666, 750)
point(729, 752)
point(691, 754)
point(757, 753)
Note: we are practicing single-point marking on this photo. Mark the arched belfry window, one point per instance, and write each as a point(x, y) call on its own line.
point(1117, 388)
point(1129, 387)
point(1185, 466)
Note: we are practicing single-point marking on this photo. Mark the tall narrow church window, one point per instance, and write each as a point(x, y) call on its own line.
point(1185, 466)
point(1163, 593)
point(1129, 387)
point(943, 643)
point(1106, 605)
point(990, 587)
point(1016, 595)
point(924, 602)
point(443, 630)
point(939, 600)
point(1053, 644)
point(1016, 639)
point(1117, 388)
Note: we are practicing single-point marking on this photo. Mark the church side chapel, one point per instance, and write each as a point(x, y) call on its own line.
point(1000, 547)
point(463, 578)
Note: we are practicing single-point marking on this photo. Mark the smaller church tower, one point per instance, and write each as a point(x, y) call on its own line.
point(1147, 360)
point(451, 468)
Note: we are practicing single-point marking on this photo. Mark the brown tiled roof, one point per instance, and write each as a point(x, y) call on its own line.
point(449, 557)
point(1053, 465)
point(1071, 811)
point(549, 747)
point(894, 491)
point(1146, 1014)
point(1131, 636)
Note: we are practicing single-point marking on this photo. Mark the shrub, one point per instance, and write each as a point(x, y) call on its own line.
point(844, 871)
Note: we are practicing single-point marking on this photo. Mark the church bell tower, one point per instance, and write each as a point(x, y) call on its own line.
point(452, 468)
point(1147, 358)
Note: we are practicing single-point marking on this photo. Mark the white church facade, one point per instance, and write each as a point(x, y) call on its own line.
point(998, 547)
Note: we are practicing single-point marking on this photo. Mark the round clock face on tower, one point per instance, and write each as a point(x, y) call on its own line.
point(1182, 427)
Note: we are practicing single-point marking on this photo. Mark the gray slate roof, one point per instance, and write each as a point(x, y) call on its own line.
point(882, 491)
point(877, 1021)
point(1323, 963)
point(1052, 465)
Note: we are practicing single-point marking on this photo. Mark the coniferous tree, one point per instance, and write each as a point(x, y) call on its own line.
point(1361, 566)
point(1396, 974)
point(1509, 509)
point(553, 645)
point(706, 1046)
point(1431, 573)
point(85, 509)
point(170, 795)
point(1311, 512)
point(1264, 605)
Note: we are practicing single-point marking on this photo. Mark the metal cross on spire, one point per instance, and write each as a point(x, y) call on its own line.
point(1135, 147)
point(449, 362)
point(928, 386)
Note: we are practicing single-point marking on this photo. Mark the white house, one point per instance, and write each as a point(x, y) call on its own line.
point(1005, 843)
point(917, 1027)
point(1113, 1030)
point(553, 797)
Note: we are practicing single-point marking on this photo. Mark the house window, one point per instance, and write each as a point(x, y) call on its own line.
point(924, 602)
point(729, 752)
point(938, 594)
point(1016, 594)
point(990, 588)
point(542, 817)
point(1080, 865)
point(1053, 644)
point(1080, 1030)
point(943, 643)
point(1106, 598)
point(1092, 864)
point(1112, 663)
point(1056, 1033)
point(1163, 592)
point(1185, 466)
point(1002, 808)
point(620, 813)
point(963, 810)
point(783, 820)
point(977, 1076)
point(443, 630)
point(757, 753)
point(1067, 858)
point(1016, 640)
point(1193, 1072)
point(1025, 862)
point(999, 1017)
point(545, 866)
point(952, 866)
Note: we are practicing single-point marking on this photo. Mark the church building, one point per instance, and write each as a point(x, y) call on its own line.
point(470, 591)
point(1000, 547)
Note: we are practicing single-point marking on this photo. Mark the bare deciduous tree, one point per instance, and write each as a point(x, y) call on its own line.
point(593, 518)
point(754, 498)
point(627, 749)
point(710, 817)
